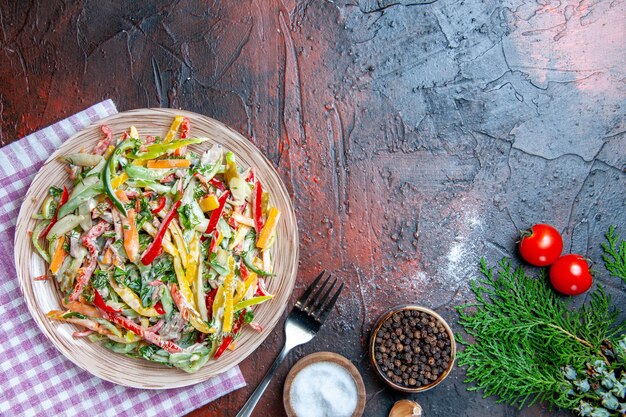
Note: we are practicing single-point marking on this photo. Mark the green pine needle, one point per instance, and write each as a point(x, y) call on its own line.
point(521, 333)
point(615, 255)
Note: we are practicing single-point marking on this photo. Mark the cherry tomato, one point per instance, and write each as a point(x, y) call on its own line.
point(570, 275)
point(541, 245)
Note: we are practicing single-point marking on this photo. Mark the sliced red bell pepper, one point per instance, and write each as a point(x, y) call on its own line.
point(99, 302)
point(232, 223)
point(125, 323)
point(237, 325)
point(184, 129)
point(217, 184)
point(225, 343)
point(257, 207)
point(156, 247)
point(243, 271)
point(216, 214)
point(179, 301)
point(43, 277)
point(64, 197)
point(237, 209)
point(213, 244)
point(229, 339)
point(202, 180)
point(210, 299)
point(259, 288)
point(159, 308)
point(160, 205)
point(250, 177)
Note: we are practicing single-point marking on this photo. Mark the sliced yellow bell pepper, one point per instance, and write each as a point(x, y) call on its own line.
point(220, 237)
point(119, 180)
point(239, 236)
point(169, 248)
point(192, 261)
point(208, 203)
point(132, 300)
point(108, 152)
point(239, 292)
point(229, 285)
point(168, 163)
point(138, 162)
point(177, 235)
point(198, 289)
point(178, 269)
point(269, 229)
point(59, 255)
point(241, 219)
point(252, 281)
point(231, 167)
point(173, 129)
point(194, 317)
point(130, 337)
point(219, 300)
point(167, 243)
point(198, 324)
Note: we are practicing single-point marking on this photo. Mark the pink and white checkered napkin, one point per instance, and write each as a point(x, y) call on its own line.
point(36, 378)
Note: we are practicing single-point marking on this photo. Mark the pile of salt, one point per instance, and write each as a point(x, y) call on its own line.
point(324, 389)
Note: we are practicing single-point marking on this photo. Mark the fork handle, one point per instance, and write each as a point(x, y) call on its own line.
point(248, 407)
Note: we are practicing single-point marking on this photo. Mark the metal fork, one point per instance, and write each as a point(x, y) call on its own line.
point(301, 325)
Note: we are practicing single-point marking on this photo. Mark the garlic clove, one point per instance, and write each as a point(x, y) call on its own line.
point(406, 408)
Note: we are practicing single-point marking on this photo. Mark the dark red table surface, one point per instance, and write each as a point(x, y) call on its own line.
point(414, 136)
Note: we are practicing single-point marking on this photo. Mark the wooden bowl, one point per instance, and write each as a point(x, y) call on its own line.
point(324, 357)
point(440, 319)
point(42, 296)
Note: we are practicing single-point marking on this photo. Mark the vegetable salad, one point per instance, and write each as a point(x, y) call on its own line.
point(160, 253)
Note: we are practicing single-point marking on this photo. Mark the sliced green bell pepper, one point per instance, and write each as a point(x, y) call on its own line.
point(89, 192)
point(252, 301)
point(155, 150)
point(252, 267)
point(109, 169)
point(149, 174)
point(166, 301)
point(35, 239)
point(153, 185)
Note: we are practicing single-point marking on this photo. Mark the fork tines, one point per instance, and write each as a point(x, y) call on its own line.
point(316, 305)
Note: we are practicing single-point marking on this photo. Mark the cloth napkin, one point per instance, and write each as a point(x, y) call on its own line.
point(36, 378)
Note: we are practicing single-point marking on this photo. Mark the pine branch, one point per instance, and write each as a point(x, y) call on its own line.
point(615, 255)
point(524, 334)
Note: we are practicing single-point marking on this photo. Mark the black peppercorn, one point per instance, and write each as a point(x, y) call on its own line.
point(412, 348)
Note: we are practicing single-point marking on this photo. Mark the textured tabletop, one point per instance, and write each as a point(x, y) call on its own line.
point(414, 136)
